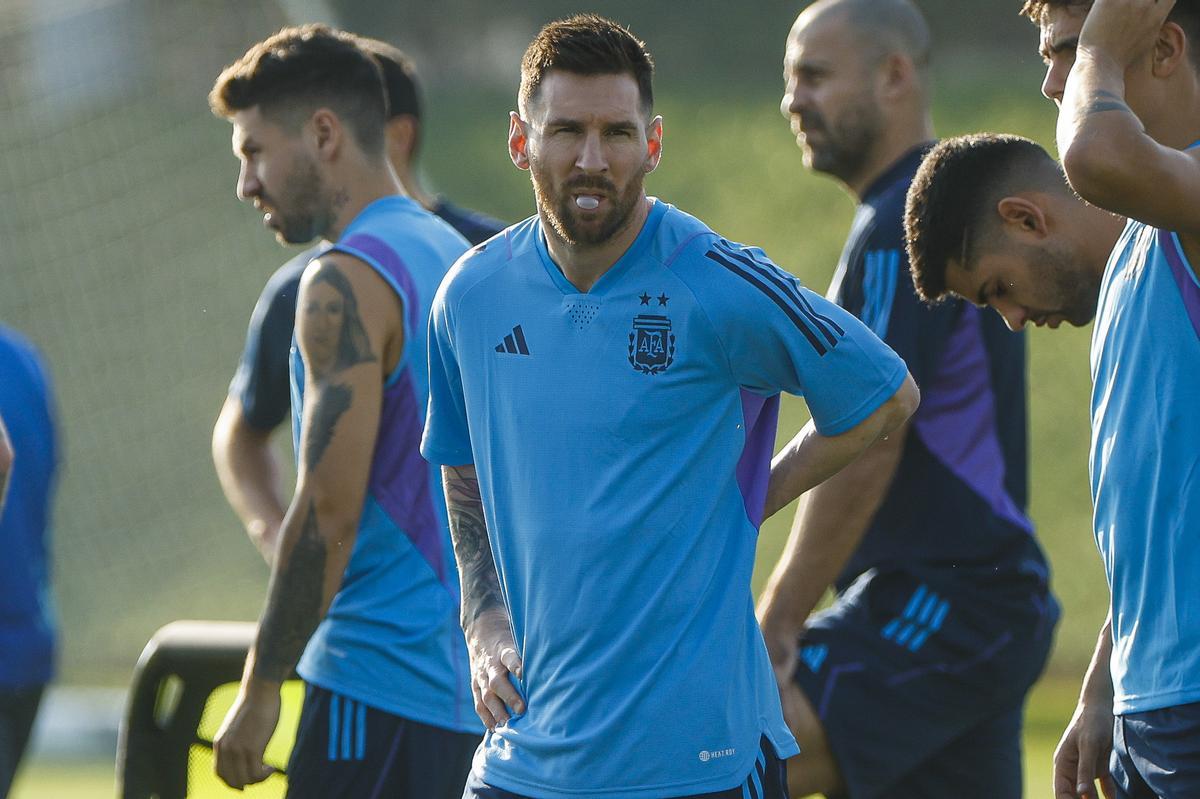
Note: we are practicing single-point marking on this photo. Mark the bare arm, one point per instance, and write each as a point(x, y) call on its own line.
point(6, 463)
point(248, 468)
point(828, 528)
point(1082, 755)
point(485, 618)
point(810, 458)
point(1109, 158)
point(341, 333)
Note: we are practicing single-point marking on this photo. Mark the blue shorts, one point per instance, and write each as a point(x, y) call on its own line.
point(347, 750)
point(1157, 753)
point(920, 682)
point(768, 780)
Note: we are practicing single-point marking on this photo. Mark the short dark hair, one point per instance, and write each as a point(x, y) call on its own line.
point(950, 205)
point(300, 69)
point(587, 44)
point(1185, 14)
point(399, 78)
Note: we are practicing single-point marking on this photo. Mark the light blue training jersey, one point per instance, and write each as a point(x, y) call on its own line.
point(623, 440)
point(391, 638)
point(1145, 466)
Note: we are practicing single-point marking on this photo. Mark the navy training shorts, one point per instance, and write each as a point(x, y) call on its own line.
point(920, 683)
point(347, 750)
point(1157, 753)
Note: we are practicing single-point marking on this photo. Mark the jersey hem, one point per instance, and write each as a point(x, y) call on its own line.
point(1124, 705)
point(394, 708)
point(733, 778)
point(446, 457)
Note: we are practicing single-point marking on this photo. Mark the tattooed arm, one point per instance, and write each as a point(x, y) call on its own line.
point(1110, 158)
point(349, 329)
point(485, 619)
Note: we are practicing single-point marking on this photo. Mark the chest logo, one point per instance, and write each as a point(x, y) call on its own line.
point(651, 344)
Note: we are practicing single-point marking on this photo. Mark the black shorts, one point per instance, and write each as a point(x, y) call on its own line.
point(347, 750)
point(767, 780)
point(920, 683)
point(1155, 754)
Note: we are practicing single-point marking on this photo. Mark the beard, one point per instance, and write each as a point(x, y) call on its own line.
point(568, 220)
point(845, 144)
point(303, 211)
point(1076, 289)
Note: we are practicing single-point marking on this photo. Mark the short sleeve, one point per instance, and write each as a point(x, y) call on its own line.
point(261, 381)
point(779, 336)
point(447, 438)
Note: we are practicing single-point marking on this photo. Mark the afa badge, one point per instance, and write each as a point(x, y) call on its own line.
point(651, 344)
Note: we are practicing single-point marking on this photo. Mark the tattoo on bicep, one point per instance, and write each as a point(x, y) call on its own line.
point(1103, 101)
point(334, 335)
point(468, 531)
point(334, 401)
point(294, 605)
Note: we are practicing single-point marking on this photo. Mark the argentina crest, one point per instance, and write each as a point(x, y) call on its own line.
point(651, 344)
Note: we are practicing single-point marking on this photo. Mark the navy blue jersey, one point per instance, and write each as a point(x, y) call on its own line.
point(261, 380)
point(959, 495)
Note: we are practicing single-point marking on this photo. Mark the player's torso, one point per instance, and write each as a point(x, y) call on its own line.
point(1145, 465)
point(391, 636)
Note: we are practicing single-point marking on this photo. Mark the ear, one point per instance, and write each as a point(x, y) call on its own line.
point(518, 141)
point(896, 75)
point(402, 135)
point(1023, 217)
point(1169, 50)
point(654, 141)
point(327, 133)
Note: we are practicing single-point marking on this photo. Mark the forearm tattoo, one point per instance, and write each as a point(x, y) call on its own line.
point(1103, 101)
point(468, 531)
point(334, 400)
point(294, 604)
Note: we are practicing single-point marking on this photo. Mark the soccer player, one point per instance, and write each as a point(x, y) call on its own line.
point(941, 587)
point(27, 623)
point(363, 582)
point(604, 389)
point(991, 218)
point(258, 399)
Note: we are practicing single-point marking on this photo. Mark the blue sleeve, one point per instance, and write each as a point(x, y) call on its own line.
point(447, 436)
point(779, 336)
point(261, 381)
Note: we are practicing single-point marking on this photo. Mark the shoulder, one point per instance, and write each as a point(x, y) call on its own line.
point(487, 260)
point(21, 359)
point(283, 286)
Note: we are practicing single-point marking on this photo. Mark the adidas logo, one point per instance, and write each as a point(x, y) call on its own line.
point(514, 343)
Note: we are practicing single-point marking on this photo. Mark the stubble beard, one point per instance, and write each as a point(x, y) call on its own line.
point(847, 143)
point(305, 211)
point(559, 208)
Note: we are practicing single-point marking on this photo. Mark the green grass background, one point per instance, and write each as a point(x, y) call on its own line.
point(135, 269)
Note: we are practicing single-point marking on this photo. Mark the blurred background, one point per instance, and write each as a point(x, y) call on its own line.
point(129, 262)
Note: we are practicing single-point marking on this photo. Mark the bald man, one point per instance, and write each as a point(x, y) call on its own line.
point(912, 684)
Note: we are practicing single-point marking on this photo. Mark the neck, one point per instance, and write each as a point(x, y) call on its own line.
point(584, 265)
point(896, 142)
point(354, 189)
point(412, 187)
point(1099, 236)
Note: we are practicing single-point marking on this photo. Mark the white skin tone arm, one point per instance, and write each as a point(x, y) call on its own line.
point(1107, 154)
point(6, 463)
point(248, 468)
point(344, 374)
point(1082, 754)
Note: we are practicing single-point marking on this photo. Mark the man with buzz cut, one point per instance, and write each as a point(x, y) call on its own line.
point(363, 583)
point(604, 394)
point(258, 400)
point(913, 683)
point(991, 218)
